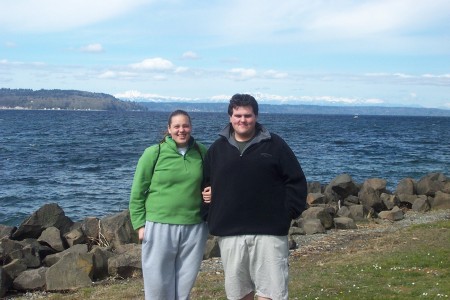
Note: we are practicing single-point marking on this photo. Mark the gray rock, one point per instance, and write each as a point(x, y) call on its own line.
point(421, 205)
point(212, 248)
point(117, 230)
point(27, 255)
point(315, 198)
point(52, 259)
point(351, 200)
point(127, 263)
point(320, 213)
point(49, 215)
point(431, 183)
point(72, 271)
point(344, 223)
point(370, 193)
point(312, 226)
point(358, 212)
point(8, 246)
point(14, 268)
point(394, 214)
point(441, 201)
point(51, 236)
point(340, 188)
point(75, 237)
point(29, 280)
point(314, 187)
point(5, 282)
point(406, 186)
point(101, 257)
point(390, 200)
point(343, 212)
point(6, 231)
point(91, 228)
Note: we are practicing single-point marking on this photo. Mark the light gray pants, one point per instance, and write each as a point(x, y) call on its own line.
point(171, 259)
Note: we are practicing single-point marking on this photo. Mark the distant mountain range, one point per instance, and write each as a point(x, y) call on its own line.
point(300, 109)
point(81, 100)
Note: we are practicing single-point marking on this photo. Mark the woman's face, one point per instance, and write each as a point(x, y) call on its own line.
point(180, 130)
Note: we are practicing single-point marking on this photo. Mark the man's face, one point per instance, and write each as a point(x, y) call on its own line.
point(243, 121)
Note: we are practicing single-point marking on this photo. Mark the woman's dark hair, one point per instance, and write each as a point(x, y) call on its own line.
point(242, 100)
point(176, 113)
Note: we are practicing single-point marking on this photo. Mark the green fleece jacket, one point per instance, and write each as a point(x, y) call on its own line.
point(170, 194)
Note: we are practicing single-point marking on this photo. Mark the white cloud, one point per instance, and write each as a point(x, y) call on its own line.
point(153, 64)
point(56, 15)
point(117, 75)
point(376, 25)
point(92, 48)
point(190, 55)
point(10, 44)
point(275, 74)
point(242, 74)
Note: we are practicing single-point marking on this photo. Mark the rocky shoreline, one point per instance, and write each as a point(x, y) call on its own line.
point(50, 253)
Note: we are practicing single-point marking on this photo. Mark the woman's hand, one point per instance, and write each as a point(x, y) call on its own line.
point(141, 233)
point(207, 194)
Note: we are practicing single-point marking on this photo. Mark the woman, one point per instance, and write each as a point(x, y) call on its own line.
point(165, 209)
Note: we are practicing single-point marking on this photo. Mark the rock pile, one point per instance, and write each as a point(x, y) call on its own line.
point(50, 252)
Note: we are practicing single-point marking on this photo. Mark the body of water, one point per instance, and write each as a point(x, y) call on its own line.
point(85, 161)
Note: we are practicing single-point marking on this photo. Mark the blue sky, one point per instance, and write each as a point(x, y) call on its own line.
point(327, 52)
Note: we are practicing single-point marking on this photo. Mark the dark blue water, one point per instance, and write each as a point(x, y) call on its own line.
point(85, 161)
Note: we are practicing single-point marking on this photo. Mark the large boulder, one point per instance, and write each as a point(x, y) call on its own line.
point(312, 226)
point(421, 205)
point(344, 223)
point(6, 231)
point(127, 261)
point(358, 212)
point(340, 188)
point(370, 193)
point(390, 200)
point(51, 236)
point(27, 256)
point(31, 279)
point(440, 201)
point(52, 259)
point(320, 213)
point(394, 214)
point(116, 230)
point(101, 257)
point(431, 183)
point(49, 215)
point(315, 199)
point(91, 229)
point(8, 246)
point(72, 271)
point(5, 282)
point(406, 186)
point(314, 187)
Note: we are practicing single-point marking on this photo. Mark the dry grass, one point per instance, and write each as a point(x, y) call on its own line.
point(409, 263)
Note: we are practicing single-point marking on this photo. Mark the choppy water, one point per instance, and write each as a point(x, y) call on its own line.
point(85, 161)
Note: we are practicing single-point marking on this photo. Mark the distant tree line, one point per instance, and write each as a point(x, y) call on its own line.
point(63, 99)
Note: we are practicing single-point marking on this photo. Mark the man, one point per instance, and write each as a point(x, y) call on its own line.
point(257, 187)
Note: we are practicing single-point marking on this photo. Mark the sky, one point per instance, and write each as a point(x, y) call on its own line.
point(321, 52)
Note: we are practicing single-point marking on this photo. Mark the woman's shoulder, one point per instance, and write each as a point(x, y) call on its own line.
point(152, 150)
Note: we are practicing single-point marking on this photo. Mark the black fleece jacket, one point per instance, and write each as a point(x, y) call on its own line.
point(258, 192)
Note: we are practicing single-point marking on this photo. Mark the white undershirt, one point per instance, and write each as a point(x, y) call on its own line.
point(182, 150)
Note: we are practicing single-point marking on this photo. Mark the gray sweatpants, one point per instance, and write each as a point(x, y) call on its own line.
point(171, 258)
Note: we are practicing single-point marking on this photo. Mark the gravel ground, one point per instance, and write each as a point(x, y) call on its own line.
point(337, 239)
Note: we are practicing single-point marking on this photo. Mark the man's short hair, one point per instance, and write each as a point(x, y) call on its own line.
point(242, 100)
